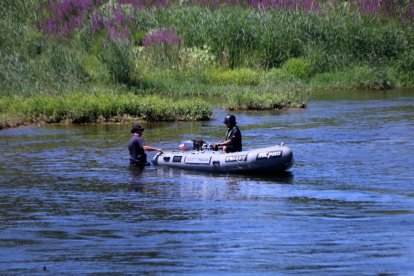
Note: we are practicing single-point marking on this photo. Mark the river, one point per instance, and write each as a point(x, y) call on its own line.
point(70, 203)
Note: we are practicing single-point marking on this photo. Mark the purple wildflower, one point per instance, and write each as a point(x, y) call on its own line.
point(63, 17)
point(116, 22)
point(139, 4)
point(163, 37)
point(403, 10)
point(305, 5)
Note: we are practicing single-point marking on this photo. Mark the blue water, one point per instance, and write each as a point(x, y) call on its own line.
point(70, 203)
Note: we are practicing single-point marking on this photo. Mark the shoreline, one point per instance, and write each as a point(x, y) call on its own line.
point(41, 111)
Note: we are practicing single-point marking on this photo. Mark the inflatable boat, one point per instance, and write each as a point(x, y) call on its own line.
point(272, 159)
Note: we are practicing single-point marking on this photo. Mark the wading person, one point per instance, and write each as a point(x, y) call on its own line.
point(233, 140)
point(137, 147)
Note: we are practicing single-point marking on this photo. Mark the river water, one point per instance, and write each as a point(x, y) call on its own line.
point(70, 203)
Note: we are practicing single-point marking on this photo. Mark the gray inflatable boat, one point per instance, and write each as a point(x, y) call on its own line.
point(263, 160)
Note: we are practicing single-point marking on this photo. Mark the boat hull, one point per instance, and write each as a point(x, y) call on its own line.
point(267, 160)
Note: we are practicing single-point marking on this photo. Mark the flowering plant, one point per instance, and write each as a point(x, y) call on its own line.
point(162, 46)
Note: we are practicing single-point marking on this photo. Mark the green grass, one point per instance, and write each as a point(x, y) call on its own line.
point(289, 96)
point(362, 77)
point(101, 107)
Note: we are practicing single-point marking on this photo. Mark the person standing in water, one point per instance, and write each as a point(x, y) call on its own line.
point(137, 147)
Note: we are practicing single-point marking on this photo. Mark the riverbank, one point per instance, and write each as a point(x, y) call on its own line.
point(250, 56)
point(121, 105)
point(98, 107)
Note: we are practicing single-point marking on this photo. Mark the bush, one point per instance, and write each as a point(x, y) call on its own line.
point(196, 58)
point(362, 77)
point(407, 61)
point(299, 67)
point(289, 97)
point(119, 58)
point(369, 78)
point(241, 76)
point(94, 68)
point(278, 76)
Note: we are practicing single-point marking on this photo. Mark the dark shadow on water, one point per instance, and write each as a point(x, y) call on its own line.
point(136, 175)
point(285, 177)
point(152, 178)
point(136, 171)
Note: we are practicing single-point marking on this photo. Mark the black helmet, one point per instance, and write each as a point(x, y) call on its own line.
point(230, 119)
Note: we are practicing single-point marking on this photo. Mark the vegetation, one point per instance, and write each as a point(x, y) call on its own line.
point(145, 58)
point(99, 107)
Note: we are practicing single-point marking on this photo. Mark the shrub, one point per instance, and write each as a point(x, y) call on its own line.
point(278, 76)
point(298, 67)
point(196, 58)
point(241, 76)
point(372, 78)
point(94, 68)
point(289, 97)
point(407, 61)
point(119, 59)
point(361, 77)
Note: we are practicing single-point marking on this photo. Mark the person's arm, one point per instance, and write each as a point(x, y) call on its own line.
point(225, 143)
point(221, 144)
point(149, 148)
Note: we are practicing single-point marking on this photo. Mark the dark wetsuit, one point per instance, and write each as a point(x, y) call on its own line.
point(137, 155)
point(234, 135)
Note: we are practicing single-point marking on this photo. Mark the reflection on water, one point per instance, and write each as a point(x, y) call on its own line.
point(70, 201)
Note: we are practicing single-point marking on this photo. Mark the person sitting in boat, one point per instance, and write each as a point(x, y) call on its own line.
point(137, 147)
point(233, 140)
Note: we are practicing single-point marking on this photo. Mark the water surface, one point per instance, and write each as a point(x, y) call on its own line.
point(70, 202)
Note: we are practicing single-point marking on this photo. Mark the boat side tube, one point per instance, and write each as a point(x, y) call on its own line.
point(270, 159)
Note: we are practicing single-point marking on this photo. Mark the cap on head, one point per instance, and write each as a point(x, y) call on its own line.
point(136, 128)
point(230, 119)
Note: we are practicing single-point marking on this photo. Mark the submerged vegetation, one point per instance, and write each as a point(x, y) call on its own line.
point(155, 58)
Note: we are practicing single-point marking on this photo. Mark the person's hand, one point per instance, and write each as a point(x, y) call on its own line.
point(215, 147)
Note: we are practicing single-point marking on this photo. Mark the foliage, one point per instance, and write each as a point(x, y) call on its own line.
point(362, 77)
point(299, 67)
point(118, 57)
point(401, 10)
point(251, 53)
point(254, 99)
point(278, 76)
point(239, 76)
point(162, 47)
point(195, 58)
point(99, 107)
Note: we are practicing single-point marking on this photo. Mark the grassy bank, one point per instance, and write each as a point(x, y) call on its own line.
point(100, 107)
point(267, 55)
point(121, 106)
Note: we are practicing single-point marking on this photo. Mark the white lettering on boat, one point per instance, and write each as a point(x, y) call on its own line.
point(197, 160)
point(269, 155)
point(236, 158)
